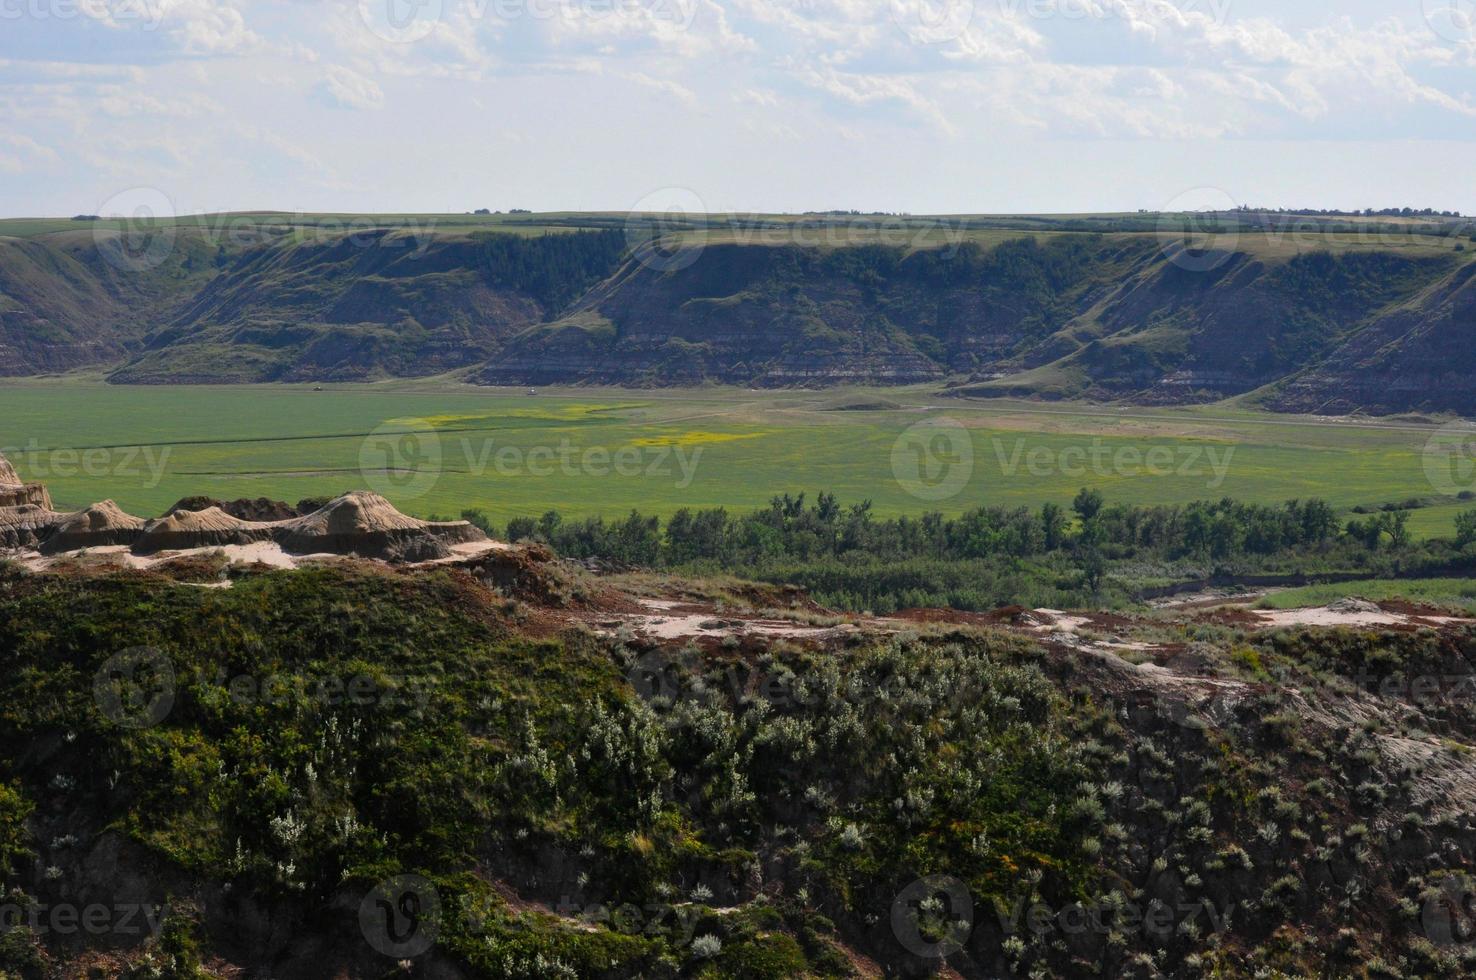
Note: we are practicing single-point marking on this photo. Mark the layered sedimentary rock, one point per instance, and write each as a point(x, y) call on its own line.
point(18, 495)
point(359, 523)
point(100, 525)
point(1379, 328)
point(14, 492)
point(1419, 356)
point(367, 525)
point(208, 528)
point(26, 526)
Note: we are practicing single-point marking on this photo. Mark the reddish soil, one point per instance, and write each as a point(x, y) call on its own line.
point(1006, 616)
point(1235, 616)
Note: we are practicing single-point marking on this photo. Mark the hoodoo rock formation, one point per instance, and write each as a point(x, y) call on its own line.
point(208, 528)
point(359, 523)
point(25, 526)
point(367, 525)
point(16, 493)
point(99, 525)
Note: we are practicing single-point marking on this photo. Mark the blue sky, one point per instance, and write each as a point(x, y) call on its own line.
point(916, 105)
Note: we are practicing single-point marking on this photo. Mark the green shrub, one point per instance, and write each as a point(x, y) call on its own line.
point(15, 836)
point(772, 957)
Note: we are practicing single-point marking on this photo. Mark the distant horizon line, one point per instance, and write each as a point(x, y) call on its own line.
point(1412, 212)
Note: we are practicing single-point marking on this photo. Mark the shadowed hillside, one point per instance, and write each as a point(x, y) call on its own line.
point(1119, 316)
point(789, 315)
point(370, 305)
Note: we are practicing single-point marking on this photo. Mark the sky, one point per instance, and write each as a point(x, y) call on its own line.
point(924, 106)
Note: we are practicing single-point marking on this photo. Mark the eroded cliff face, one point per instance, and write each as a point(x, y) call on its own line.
point(352, 309)
point(1170, 335)
point(71, 299)
point(1420, 355)
point(358, 523)
point(784, 315)
point(202, 308)
point(1109, 318)
point(1115, 317)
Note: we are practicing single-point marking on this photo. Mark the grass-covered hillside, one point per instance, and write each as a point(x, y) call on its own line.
point(1106, 317)
point(478, 772)
point(1148, 308)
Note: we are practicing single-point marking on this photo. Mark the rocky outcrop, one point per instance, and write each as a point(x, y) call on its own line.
point(16, 493)
point(258, 509)
point(26, 526)
point(359, 523)
point(100, 525)
point(208, 528)
point(367, 525)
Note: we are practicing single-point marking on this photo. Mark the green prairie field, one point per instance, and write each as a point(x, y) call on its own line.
point(438, 447)
point(1456, 594)
point(1408, 235)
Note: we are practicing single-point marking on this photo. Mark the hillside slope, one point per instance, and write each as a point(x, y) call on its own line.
point(262, 770)
point(281, 307)
point(1112, 317)
point(370, 305)
point(786, 315)
point(1421, 354)
point(73, 298)
point(1170, 334)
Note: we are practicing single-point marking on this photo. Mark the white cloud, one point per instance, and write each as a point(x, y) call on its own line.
point(202, 75)
point(863, 90)
point(676, 90)
point(758, 96)
point(349, 89)
point(24, 153)
point(201, 26)
point(307, 165)
point(687, 28)
point(119, 101)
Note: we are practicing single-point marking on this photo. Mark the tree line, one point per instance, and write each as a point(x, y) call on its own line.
point(795, 528)
point(553, 268)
